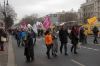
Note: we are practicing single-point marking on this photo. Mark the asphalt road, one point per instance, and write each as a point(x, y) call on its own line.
point(88, 55)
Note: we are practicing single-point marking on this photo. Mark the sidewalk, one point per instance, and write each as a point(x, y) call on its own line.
point(4, 55)
point(7, 57)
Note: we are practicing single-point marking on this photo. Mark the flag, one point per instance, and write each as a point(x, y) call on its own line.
point(92, 20)
point(47, 22)
point(34, 28)
point(39, 25)
point(23, 25)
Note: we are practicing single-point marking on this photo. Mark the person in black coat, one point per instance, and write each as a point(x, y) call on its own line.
point(95, 32)
point(63, 36)
point(74, 39)
point(29, 48)
point(2, 34)
point(82, 36)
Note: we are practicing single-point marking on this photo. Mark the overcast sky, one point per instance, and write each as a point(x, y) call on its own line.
point(43, 7)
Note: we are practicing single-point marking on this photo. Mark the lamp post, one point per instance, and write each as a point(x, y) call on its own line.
point(5, 6)
point(5, 12)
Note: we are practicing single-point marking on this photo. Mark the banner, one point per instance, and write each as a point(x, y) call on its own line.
point(47, 22)
point(39, 25)
point(35, 28)
point(23, 25)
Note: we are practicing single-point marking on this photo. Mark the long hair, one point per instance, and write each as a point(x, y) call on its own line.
point(74, 30)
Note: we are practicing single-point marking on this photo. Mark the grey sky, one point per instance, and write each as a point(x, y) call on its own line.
point(43, 7)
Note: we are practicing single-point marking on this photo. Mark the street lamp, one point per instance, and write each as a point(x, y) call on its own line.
point(5, 12)
point(5, 5)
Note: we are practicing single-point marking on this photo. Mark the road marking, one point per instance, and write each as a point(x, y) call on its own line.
point(87, 47)
point(96, 49)
point(90, 48)
point(97, 44)
point(78, 63)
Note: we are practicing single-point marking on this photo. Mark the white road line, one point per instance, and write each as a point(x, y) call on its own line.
point(91, 49)
point(87, 48)
point(96, 49)
point(78, 63)
point(97, 44)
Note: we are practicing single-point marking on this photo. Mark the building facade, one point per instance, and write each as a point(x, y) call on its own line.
point(54, 18)
point(89, 9)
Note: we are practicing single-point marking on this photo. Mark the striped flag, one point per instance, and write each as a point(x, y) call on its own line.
point(47, 22)
point(23, 25)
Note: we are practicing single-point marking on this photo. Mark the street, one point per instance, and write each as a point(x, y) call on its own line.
point(88, 55)
point(25, 20)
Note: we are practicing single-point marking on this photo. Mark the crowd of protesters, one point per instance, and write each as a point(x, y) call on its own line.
point(27, 39)
point(76, 35)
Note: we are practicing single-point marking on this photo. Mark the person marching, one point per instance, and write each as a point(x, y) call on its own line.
point(63, 36)
point(33, 35)
point(74, 39)
point(48, 42)
point(3, 39)
point(55, 42)
point(29, 48)
point(95, 32)
point(82, 35)
point(18, 38)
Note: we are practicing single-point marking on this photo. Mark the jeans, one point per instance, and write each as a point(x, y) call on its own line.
point(49, 47)
point(74, 46)
point(65, 47)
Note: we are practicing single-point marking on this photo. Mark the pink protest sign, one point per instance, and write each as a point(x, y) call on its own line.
point(47, 22)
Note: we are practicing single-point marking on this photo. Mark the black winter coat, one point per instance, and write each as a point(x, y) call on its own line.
point(63, 36)
point(29, 48)
point(74, 38)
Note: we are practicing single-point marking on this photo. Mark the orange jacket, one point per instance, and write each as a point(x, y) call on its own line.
point(48, 39)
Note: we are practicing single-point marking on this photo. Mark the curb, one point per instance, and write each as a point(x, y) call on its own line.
point(11, 56)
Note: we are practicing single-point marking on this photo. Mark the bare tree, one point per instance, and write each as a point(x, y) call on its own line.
point(68, 16)
point(7, 14)
point(30, 19)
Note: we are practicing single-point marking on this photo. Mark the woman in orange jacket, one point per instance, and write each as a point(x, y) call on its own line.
point(48, 42)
